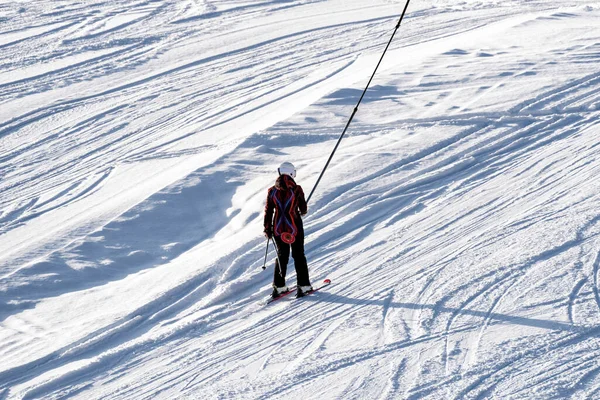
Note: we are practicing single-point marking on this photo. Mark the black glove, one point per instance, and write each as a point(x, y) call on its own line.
point(268, 233)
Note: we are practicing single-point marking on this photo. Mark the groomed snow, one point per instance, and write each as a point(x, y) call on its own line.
point(459, 220)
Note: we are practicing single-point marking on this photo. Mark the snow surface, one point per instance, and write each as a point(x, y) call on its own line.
point(459, 220)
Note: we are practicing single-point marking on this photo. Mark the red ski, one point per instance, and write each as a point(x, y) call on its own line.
point(291, 289)
point(326, 282)
point(281, 295)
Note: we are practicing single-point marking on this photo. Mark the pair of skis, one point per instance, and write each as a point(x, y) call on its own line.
point(292, 289)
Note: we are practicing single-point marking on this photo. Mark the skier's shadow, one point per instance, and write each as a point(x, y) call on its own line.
point(515, 320)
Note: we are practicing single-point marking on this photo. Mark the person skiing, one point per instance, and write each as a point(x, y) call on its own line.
point(283, 211)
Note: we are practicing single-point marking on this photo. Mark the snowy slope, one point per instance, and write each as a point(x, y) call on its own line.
point(458, 222)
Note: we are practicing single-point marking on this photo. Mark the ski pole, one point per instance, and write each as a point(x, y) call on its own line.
point(278, 260)
point(266, 253)
point(359, 101)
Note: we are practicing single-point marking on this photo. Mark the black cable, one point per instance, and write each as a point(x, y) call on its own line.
point(359, 101)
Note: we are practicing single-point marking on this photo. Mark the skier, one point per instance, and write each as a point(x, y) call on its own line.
point(283, 210)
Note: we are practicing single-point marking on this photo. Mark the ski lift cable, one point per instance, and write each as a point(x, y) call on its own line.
point(359, 101)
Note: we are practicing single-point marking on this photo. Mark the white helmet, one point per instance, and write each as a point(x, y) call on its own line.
point(287, 168)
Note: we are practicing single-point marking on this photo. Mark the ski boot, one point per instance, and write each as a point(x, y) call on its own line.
point(277, 291)
point(303, 291)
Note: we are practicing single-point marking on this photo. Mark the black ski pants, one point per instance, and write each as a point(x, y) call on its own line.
point(283, 251)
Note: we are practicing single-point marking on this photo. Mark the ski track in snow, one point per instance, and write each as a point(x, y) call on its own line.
point(458, 222)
